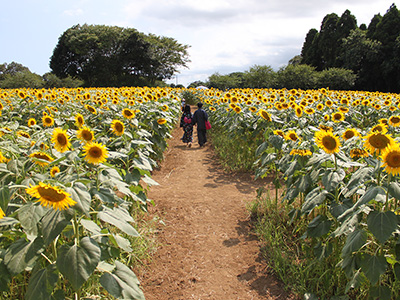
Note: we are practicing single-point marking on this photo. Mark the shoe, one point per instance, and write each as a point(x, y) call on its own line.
point(190, 145)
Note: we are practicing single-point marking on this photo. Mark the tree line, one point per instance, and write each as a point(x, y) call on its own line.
point(103, 56)
point(341, 56)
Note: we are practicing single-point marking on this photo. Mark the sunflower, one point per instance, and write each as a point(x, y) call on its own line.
point(391, 159)
point(31, 122)
point(3, 159)
point(47, 121)
point(117, 127)
point(91, 109)
point(23, 134)
point(384, 121)
point(325, 128)
point(238, 109)
point(301, 152)
point(2, 214)
point(299, 111)
point(79, 120)
point(95, 153)
point(128, 113)
point(85, 134)
point(394, 121)
point(41, 158)
point(291, 135)
point(309, 111)
point(337, 116)
point(279, 132)
point(165, 107)
point(377, 142)
point(265, 115)
point(60, 140)
point(357, 153)
point(54, 170)
point(349, 133)
point(161, 121)
point(382, 128)
point(320, 106)
point(51, 196)
point(327, 141)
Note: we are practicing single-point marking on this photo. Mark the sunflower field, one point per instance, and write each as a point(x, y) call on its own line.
point(74, 164)
point(334, 159)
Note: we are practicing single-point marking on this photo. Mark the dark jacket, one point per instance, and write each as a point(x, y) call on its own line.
point(200, 117)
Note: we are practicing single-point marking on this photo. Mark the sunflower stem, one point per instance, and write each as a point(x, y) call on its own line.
point(387, 193)
point(76, 229)
point(334, 155)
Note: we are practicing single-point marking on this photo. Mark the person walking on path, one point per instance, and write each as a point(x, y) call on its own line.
point(187, 125)
point(199, 118)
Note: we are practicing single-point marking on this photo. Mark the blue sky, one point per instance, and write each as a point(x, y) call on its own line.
point(225, 35)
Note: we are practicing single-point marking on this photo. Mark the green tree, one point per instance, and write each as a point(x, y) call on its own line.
point(310, 52)
point(224, 82)
point(297, 76)
point(11, 69)
point(259, 77)
point(21, 79)
point(336, 79)
point(51, 81)
point(114, 56)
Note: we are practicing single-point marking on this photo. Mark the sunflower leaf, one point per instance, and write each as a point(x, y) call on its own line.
point(77, 263)
point(53, 223)
point(42, 283)
point(354, 242)
point(382, 224)
point(119, 218)
point(80, 194)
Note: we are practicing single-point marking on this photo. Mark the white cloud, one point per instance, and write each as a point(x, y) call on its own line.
point(73, 12)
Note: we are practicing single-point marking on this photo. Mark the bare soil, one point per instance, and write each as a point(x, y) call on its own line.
point(208, 249)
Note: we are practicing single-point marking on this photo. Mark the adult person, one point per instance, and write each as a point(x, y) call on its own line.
point(187, 125)
point(200, 117)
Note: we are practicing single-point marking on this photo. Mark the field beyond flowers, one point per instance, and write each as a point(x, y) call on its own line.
point(75, 167)
point(335, 158)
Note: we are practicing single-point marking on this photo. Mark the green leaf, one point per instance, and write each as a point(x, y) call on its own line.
point(260, 149)
point(119, 218)
point(323, 251)
point(304, 183)
point(81, 195)
point(133, 177)
point(380, 292)
point(77, 263)
point(314, 199)
point(149, 181)
point(53, 223)
point(22, 254)
point(396, 270)
point(123, 243)
point(319, 226)
point(104, 195)
point(29, 215)
point(276, 141)
point(42, 283)
point(354, 242)
point(90, 226)
point(122, 283)
point(5, 277)
point(4, 197)
point(373, 267)
point(382, 224)
point(357, 180)
point(332, 178)
point(394, 190)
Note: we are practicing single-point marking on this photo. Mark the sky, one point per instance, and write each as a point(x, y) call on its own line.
point(224, 36)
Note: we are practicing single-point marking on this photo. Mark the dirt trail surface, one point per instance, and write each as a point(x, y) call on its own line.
point(207, 248)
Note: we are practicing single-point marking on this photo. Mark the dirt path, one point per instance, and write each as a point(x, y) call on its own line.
point(208, 250)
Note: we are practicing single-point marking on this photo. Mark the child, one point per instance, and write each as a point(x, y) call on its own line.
point(187, 124)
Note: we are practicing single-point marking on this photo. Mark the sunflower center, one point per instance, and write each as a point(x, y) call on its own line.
point(379, 141)
point(87, 135)
point(349, 134)
point(329, 142)
point(61, 139)
point(118, 127)
point(95, 152)
point(393, 159)
point(50, 194)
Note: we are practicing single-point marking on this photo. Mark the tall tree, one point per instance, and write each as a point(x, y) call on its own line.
point(114, 56)
point(310, 52)
point(327, 40)
point(259, 77)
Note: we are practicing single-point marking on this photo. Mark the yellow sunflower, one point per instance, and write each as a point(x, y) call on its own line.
point(279, 132)
point(23, 134)
point(47, 121)
point(291, 135)
point(299, 111)
point(394, 121)
point(327, 141)
point(2, 214)
point(54, 170)
point(265, 115)
point(357, 153)
point(349, 133)
point(337, 116)
point(41, 158)
point(85, 134)
point(381, 127)
point(238, 109)
point(60, 140)
point(391, 159)
point(95, 153)
point(31, 122)
point(79, 120)
point(117, 127)
point(91, 109)
point(128, 113)
point(161, 121)
point(3, 159)
point(51, 196)
point(165, 107)
point(301, 152)
point(377, 142)
point(326, 117)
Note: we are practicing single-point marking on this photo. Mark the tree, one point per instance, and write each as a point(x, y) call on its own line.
point(337, 79)
point(299, 76)
point(24, 78)
point(310, 52)
point(259, 77)
point(51, 81)
point(224, 82)
point(114, 56)
point(11, 69)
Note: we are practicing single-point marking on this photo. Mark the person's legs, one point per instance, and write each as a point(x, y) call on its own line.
point(201, 136)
